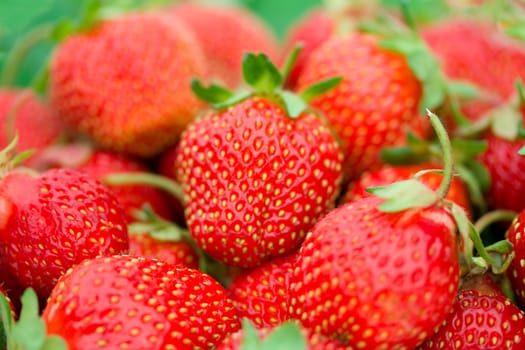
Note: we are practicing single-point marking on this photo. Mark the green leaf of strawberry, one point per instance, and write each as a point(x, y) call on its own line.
point(260, 73)
point(404, 195)
point(29, 333)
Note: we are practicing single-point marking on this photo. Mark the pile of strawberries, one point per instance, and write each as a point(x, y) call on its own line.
point(189, 181)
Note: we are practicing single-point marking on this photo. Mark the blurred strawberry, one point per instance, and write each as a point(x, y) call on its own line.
point(225, 34)
point(126, 82)
point(24, 113)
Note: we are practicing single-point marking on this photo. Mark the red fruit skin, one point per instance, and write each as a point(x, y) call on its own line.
point(126, 82)
point(506, 168)
point(54, 221)
point(174, 253)
point(388, 174)
point(516, 271)
point(36, 124)
point(480, 321)
point(376, 280)
point(314, 340)
point(225, 34)
point(262, 294)
point(373, 106)
point(123, 302)
point(99, 163)
point(479, 52)
point(256, 180)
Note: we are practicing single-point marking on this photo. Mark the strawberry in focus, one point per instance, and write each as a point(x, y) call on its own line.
point(51, 222)
point(262, 294)
point(258, 170)
point(138, 303)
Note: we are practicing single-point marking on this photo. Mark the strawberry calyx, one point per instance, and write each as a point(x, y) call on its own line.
point(264, 79)
point(412, 193)
point(145, 178)
point(465, 151)
point(29, 332)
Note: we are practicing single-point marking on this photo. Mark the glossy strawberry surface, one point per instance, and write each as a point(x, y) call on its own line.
point(506, 168)
point(373, 106)
point(374, 279)
point(256, 180)
point(262, 294)
point(52, 222)
point(480, 322)
point(138, 303)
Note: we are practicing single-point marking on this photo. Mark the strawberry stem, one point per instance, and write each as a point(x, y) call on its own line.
point(494, 216)
point(145, 178)
point(448, 159)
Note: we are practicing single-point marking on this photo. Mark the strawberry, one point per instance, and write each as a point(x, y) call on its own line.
point(373, 106)
point(174, 253)
point(506, 168)
point(25, 114)
point(479, 321)
point(516, 270)
point(385, 280)
point(382, 272)
point(297, 337)
point(225, 33)
point(259, 171)
point(261, 294)
point(138, 303)
point(388, 174)
point(54, 221)
point(101, 163)
point(126, 82)
point(477, 51)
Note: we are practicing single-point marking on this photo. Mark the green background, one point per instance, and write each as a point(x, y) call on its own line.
point(19, 17)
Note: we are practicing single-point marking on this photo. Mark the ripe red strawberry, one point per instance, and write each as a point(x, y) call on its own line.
point(174, 253)
point(384, 280)
point(373, 106)
point(100, 163)
point(36, 124)
point(54, 221)
point(225, 34)
point(138, 303)
point(262, 294)
point(314, 341)
point(516, 271)
point(256, 180)
point(259, 171)
point(388, 174)
point(506, 168)
point(126, 82)
point(479, 321)
point(479, 52)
